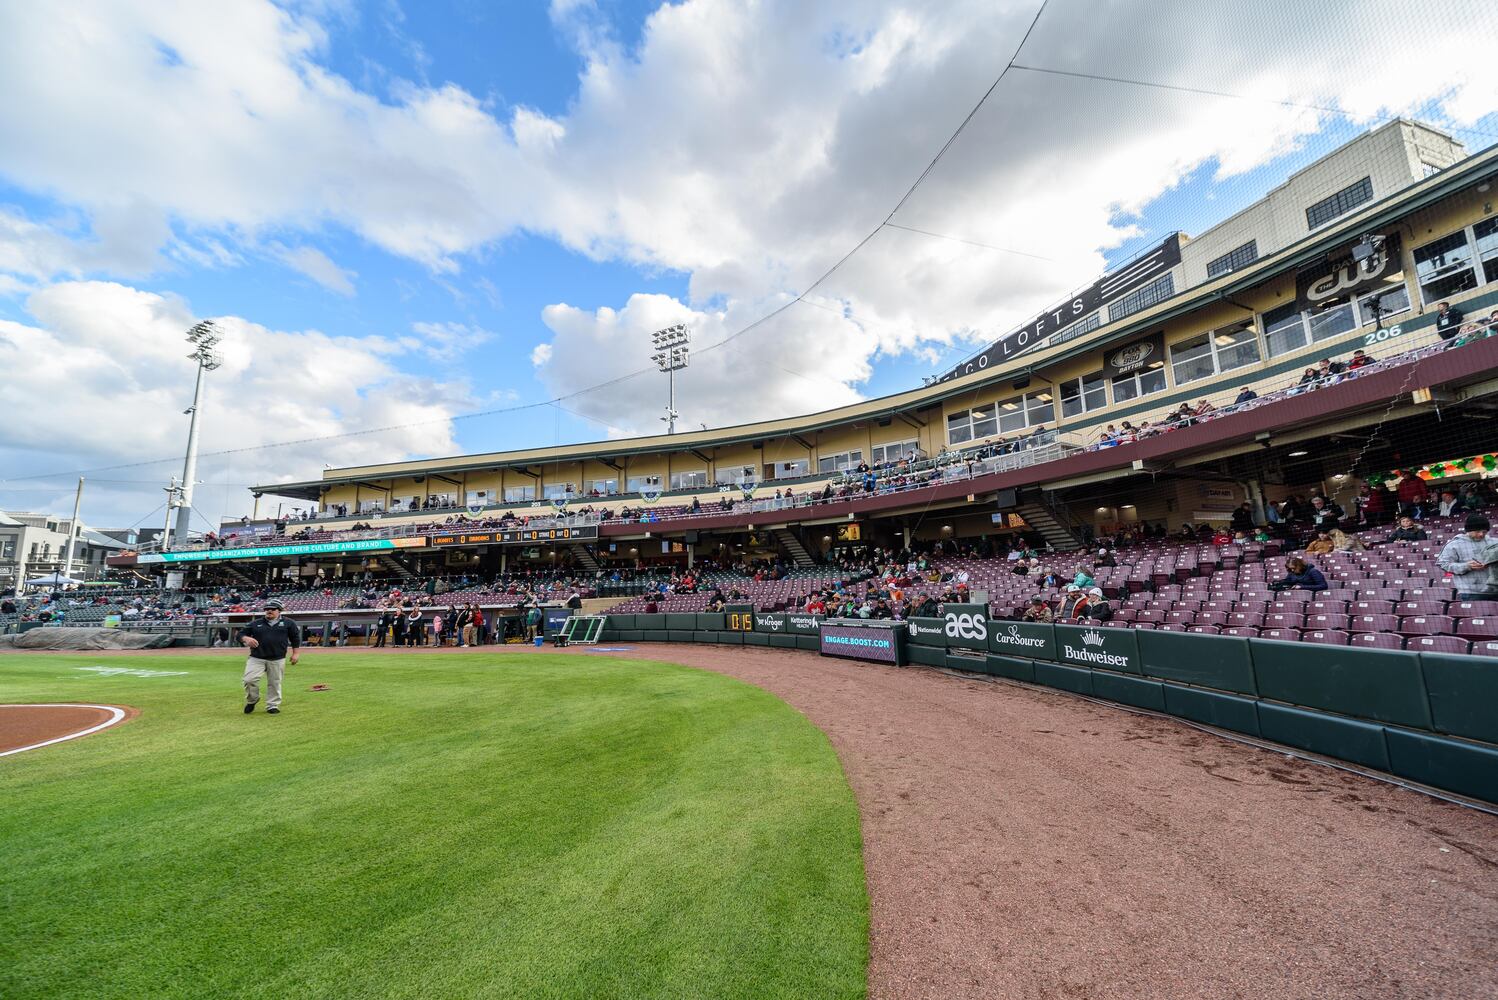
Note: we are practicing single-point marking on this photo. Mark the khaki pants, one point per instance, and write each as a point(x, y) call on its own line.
point(272, 670)
point(468, 635)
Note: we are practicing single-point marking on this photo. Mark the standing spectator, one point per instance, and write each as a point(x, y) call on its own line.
point(1469, 558)
point(1448, 320)
point(1325, 513)
point(1243, 518)
point(480, 636)
point(415, 627)
point(1373, 504)
point(1412, 494)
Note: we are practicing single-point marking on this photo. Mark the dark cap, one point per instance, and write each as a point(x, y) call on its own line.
point(274, 605)
point(1476, 522)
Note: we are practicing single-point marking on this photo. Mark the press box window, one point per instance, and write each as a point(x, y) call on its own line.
point(1030, 410)
point(1213, 353)
point(893, 452)
point(1234, 259)
point(639, 484)
point(1445, 268)
point(604, 487)
point(839, 463)
point(689, 480)
point(1344, 201)
point(1090, 392)
point(971, 424)
point(514, 494)
point(1136, 384)
point(792, 470)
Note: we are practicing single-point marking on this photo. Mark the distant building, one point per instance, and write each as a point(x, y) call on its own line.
point(41, 542)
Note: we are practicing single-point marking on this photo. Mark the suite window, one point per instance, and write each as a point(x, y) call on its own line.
point(1445, 268)
point(1332, 318)
point(840, 462)
point(1030, 410)
point(557, 491)
point(603, 487)
point(1080, 395)
point(1486, 234)
point(1284, 330)
point(639, 484)
point(1344, 201)
point(370, 506)
point(792, 470)
point(1214, 353)
point(689, 480)
point(1375, 307)
point(893, 452)
point(1143, 297)
point(479, 497)
point(1136, 384)
point(969, 425)
point(516, 494)
point(732, 475)
point(1233, 259)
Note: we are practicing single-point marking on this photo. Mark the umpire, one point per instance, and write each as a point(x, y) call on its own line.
point(268, 638)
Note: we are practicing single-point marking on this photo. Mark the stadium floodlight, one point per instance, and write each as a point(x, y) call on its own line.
point(671, 356)
point(204, 337)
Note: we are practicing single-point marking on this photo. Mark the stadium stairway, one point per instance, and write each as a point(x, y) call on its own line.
point(793, 547)
point(584, 558)
point(1042, 517)
point(395, 566)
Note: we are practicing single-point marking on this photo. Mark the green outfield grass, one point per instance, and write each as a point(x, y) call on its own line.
point(487, 825)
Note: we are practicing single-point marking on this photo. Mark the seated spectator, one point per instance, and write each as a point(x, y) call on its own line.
point(1408, 531)
point(1098, 608)
point(1452, 504)
point(1300, 576)
point(1328, 371)
point(1050, 580)
point(1245, 396)
point(1083, 579)
point(1359, 359)
point(1204, 408)
point(1038, 611)
point(1321, 545)
point(1074, 604)
point(1307, 379)
point(1104, 560)
point(1221, 537)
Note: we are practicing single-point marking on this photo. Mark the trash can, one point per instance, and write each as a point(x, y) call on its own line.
point(540, 641)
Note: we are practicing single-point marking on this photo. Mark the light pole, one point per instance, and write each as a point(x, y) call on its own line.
point(204, 337)
point(670, 357)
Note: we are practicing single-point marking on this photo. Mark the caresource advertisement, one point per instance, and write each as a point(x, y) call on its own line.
point(879, 643)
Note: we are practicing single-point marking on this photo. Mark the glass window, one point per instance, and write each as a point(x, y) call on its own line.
point(1486, 232)
point(603, 487)
point(894, 451)
point(1141, 298)
point(959, 427)
point(1126, 387)
point(1192, 359)
point(1284, 330)
point(1090, 392)
point(480, 497)
point(1086, 324)
point(1375, 307)
point(1332, 319)
point(514, 494)
point(984, 422)
point(1029, 410)
point(555, 491)
point(1344, 201)
point(1444, 268)
point(1236, 346)
point(1234, 259)
point(369, 506)
point(638, 484)
point(689, 480)
point(1040, 408)
point(792, 470)
point(1012, 415)
point(839, 462)
point(732, 475)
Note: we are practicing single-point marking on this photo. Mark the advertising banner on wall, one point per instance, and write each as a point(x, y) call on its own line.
point(1031, 639)
point(1148, 352)
point(1343, 276)
point(879, 642)
point(1034, 334)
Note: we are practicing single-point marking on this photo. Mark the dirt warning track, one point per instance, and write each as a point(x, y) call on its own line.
point(1023, 843)
point(31, 727)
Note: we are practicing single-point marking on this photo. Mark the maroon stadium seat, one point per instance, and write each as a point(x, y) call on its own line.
point(1372, 608)
point(1334, 622)
point(1472, 609)
point(1372, 623)
point(1241, 631)
point(1480, 648)
point(1406, 609)
point(1205, 629)
point(1427, 625)
point(1478, 628)
point(1282, 619)
point(1380, 640)
point(1286, 634)
point(1437, 644)
point(1325, 637)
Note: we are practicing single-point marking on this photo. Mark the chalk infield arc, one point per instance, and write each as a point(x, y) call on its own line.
point(114, 713)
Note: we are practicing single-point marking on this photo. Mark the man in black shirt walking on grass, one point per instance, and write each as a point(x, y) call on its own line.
point(268, 639)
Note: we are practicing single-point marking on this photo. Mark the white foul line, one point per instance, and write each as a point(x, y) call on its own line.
point(116, 714)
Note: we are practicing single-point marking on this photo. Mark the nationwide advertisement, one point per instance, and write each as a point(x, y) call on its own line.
point(1091, 646)
point(927, 631)
point(882, 642)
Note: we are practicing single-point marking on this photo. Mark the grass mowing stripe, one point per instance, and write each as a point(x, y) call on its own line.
point(487, 825)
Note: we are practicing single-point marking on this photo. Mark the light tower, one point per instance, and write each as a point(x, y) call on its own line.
point(670, 357)
point(204, 337)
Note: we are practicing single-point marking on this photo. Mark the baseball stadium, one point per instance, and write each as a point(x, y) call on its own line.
point(1148, 650)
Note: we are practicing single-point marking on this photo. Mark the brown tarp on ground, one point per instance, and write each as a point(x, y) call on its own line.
point(83, 638)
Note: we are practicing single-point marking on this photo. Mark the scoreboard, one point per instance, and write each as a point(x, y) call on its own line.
point(516, 536)
point(739, 617)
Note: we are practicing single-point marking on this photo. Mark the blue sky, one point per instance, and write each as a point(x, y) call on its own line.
point(417, 211)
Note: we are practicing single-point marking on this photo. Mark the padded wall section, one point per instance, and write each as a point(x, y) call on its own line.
point(1055, 675)
point(1463, 695)
point(1213, 661)
point(1345, 739)
point(1129, 690)
point(1381, 684)
point(1466, 768)
point(931, 656)
point(1013, 667)
point(1225, 711)
point(710, 622)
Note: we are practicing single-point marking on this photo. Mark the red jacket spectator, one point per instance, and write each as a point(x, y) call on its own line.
point(1412, 490)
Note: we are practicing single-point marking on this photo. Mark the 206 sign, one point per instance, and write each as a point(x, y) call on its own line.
point(1379, 336)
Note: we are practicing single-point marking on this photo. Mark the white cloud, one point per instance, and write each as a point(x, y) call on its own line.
point(541, 354)
point(745, 145)
point(318, 266)
point(101, 377)
point(447, 342)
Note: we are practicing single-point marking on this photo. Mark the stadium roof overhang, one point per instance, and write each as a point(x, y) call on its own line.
point(901, 406)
